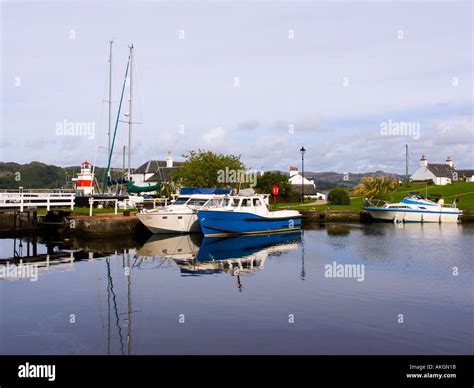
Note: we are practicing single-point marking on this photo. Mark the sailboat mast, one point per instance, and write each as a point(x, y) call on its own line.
point(110, 96)
point(406, 163)
point(130, 114)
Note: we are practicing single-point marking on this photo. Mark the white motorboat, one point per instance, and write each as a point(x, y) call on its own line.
point(181, 215)
point(414, 208)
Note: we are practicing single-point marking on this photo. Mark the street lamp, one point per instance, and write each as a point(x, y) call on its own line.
point(302, 150)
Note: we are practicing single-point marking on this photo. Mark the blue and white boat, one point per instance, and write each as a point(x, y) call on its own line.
point(414, 208)
point(244, 214)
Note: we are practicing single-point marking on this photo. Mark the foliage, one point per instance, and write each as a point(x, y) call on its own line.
point(267, 180)
point(338, 196)
point(370, 187)
point(203, 169)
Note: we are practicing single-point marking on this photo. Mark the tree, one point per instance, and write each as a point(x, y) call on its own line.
point(338, 196)
point(370, 187)
point(207, 169)
point(267, 180)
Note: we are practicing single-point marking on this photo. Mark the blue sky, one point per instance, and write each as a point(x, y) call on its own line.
point(405, 62)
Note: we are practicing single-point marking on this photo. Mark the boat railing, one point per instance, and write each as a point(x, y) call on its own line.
point(374, 202)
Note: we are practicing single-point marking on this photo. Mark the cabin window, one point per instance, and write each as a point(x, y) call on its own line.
point(235, 202)
point(164, 217)
point(257, 202)
point(246, 202)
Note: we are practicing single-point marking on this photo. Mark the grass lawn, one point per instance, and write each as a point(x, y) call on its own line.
point(463, 190)
point(356, 204)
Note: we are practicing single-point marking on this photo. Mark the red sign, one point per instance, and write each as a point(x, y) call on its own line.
point(275, 192)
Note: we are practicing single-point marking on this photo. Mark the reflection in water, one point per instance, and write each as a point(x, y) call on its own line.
point(182, 246)
point(408, 267)
point(198, 256)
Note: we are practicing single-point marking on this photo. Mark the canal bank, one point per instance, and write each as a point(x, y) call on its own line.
point(356, 216)
point(125, 224)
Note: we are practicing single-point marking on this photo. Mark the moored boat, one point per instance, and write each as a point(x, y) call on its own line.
point(414, 208)
point(246, 215)
point(181, 215)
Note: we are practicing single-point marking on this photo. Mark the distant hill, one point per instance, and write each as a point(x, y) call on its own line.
point(37, 175)
point(331, 179)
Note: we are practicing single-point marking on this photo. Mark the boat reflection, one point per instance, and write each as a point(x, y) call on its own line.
point(234, 255)
point(182, 246)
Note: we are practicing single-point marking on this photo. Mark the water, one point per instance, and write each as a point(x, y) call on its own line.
point(84, 302)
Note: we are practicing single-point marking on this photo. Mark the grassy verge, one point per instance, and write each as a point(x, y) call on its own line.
point(464, 191)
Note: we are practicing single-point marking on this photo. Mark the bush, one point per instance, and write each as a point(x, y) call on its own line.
point(338, 197)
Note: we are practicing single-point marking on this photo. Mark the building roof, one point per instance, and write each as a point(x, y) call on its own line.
point(465, 172)
point(308, 189)
point(441, 170)
point(152, 166)
point(162, 174)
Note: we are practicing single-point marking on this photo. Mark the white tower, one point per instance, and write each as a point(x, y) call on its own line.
point(169, 160)
point(423, 161)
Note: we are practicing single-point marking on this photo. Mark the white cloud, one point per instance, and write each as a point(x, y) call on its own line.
point(215, 137)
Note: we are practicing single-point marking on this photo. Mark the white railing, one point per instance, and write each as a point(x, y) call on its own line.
point(28, 200)
point(92, 200)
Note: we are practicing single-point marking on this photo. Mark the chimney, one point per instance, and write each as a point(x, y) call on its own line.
point(449, 162)
point(423, 161)
point(293, 171)
point(169, 160)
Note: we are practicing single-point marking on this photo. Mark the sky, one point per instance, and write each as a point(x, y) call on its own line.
point(256, 79)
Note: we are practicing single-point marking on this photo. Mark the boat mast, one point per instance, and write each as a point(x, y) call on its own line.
point(104, 185)
point(130, 114)
point(406, 163)
point(110, 96)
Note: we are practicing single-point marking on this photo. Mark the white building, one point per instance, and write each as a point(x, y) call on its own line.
point(441, 173)
point(465, 175)
point(309, 187)
point(155, 171)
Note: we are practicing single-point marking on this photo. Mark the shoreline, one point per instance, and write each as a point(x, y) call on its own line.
point(109, 225)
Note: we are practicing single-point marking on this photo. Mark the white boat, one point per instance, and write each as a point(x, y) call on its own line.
point(181, 215)
point(414, 208)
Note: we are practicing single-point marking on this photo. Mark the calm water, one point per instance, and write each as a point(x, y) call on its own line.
point(186, 295)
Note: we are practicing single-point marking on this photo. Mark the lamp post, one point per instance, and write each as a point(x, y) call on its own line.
point(302, 150)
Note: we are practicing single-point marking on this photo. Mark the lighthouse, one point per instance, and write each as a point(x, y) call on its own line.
point(85, 180)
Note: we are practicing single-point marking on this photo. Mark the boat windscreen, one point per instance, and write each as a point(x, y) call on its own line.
point(180, 200)
point(197, 202)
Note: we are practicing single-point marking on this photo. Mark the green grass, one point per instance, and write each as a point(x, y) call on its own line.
point(356, 204)
point(85, 210)
point(463, 190)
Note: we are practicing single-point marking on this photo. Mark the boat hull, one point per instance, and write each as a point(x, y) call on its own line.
point(412, 215)
point(227, 223)
point(170, 223)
